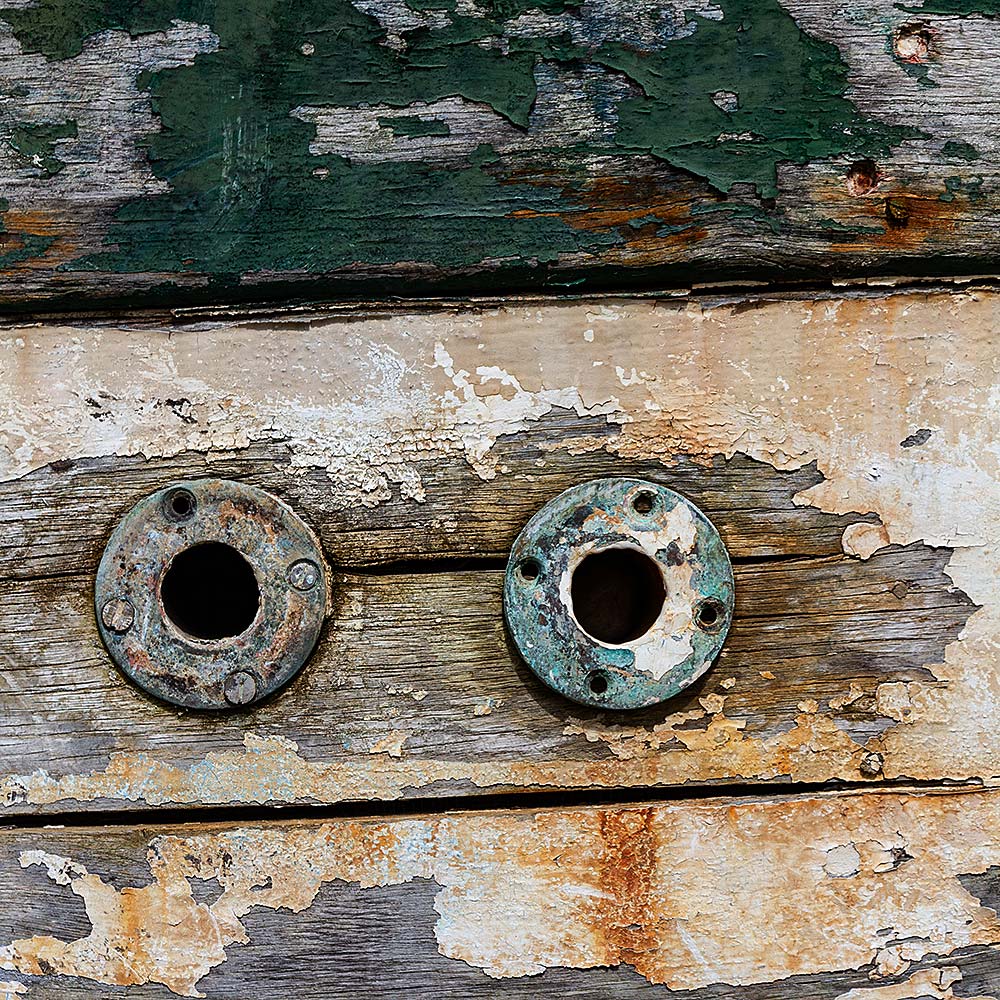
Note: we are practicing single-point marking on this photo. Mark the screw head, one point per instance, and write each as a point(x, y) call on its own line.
point(118, 615)
point(871, 765)
point(240, 688)
point(303, 575)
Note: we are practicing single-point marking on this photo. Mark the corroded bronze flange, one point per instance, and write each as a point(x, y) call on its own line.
point(211, 594)
point(619, 593)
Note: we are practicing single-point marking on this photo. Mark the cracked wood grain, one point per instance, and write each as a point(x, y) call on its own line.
point(862, 896)
point(414, 690)
point(846, 447)
point(345, 147)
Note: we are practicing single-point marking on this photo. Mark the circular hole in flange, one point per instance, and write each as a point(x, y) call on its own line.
point(598, 682)
point(210, 592)
point(529, 569)
point(642, 502)
point(617, 594)
point(179, 505)
point(709, 614)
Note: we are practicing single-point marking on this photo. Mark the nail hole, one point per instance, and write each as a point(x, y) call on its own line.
point(897, 213)
point(912, 43)
point(642, 503)
point(862, 177)
point(617, 594)
point(210, 592)
point(709, 614)
point(598, 682)
point(529, 569)
point(179, 505)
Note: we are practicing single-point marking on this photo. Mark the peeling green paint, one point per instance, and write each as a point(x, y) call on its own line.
point(16, 247)
point(959, 151)
point(834, 226)
point(59, 28)
point(790, 89)
point(36, 143)
point(971, 187)
point(414, 127)
point(959, 8)
point(247, 195)
point(918, 71)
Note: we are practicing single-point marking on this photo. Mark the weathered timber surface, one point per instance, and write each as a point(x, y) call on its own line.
point(414, 690)
point(213, 149)
point(846, 448)
point(874, 896)
point(59, 517)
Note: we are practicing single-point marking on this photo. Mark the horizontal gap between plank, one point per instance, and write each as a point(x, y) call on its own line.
point(488, 802)
point(353, 305)
point(417, 566)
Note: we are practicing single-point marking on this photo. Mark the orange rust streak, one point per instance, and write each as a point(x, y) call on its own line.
point(628, 863)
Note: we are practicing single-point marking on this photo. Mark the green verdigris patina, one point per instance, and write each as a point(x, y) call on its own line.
point(619, 593)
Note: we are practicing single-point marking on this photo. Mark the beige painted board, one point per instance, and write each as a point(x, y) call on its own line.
point(862, 896)
point(864, 427)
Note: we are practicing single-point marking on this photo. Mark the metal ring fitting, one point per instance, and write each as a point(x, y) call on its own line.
point(211, 594)
point(619, 593)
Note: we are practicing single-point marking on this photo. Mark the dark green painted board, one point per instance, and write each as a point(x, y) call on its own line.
point(190, 150)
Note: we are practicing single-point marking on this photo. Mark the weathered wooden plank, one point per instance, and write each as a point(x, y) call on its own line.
point(843, 897)
point(209, 149)
point(415, 691)
point(59, 517)
point(408, 436)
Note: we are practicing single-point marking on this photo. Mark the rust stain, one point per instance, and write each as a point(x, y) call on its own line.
point(649, 212)
point(64, 228)
point(673, 891)
point(628, 864)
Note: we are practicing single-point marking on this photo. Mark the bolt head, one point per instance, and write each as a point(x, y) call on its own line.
point(303, 575)
point(240, 688)
point(871, 765)
point(118, 615)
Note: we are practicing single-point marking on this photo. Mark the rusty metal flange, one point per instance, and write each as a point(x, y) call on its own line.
point(211, 594)
point(619, 593)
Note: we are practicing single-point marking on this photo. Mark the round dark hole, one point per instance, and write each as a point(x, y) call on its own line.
point(179, 505)
point(642, 503)
point(709, 614)
point(529, 569)
point(598, 682)
point(617, 594)
point(210, 592)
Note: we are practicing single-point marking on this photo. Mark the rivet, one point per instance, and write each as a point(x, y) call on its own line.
point(871, 765)
point(303, 575)
point(240, 688)
point(118, 615)
point(179, 505)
